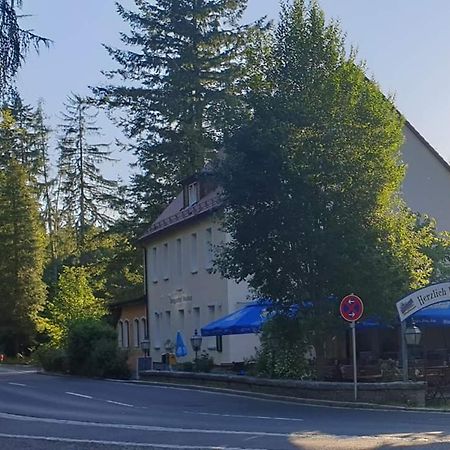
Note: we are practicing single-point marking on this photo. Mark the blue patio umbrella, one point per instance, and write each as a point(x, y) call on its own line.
point(180, 346)
point(246, 320)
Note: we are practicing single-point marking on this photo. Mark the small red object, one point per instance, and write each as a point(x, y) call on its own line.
point(351, 308)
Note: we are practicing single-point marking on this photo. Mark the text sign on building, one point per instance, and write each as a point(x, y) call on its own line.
point(422, 298)
point(351, 308)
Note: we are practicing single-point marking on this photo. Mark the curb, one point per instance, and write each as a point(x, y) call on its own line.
point(285, 399)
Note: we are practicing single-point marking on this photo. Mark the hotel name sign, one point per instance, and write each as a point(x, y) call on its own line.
point(422, 298)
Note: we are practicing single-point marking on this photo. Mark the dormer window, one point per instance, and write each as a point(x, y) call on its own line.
point(193, 193)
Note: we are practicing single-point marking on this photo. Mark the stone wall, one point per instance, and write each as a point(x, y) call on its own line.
point(393, 393)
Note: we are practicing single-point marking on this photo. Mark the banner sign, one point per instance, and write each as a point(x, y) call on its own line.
point(422, 298)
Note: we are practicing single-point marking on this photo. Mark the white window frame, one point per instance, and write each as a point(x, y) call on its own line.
point(193, 193)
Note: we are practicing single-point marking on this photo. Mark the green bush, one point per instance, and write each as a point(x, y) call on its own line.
point(51, 359)
point(283, 349)
point(204, 363)
point(92, 350)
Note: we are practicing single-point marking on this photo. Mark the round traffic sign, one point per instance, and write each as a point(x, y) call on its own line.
point(351, 308)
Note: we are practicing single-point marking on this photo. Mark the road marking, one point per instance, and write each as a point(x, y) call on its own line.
point(17, 384)
point(15, 372)
point(139, 427)
point(119, 403)
point(79, 395)
point(244, 416)
point(119, 443)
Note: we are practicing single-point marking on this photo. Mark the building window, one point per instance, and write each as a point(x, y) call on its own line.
point(181, 319)
point(219, 344)
point(136, 334)
point(211, 344)
point(208, 249)
point(179, 261)
point(196, 313)
point(144, 328)
point(157, 341)
point(193, 193)
point(168, 322)
point(120, 333)
point(194, 256)
point(166, 261)
point(126, 332)
point(153, 265)
point(211, 312)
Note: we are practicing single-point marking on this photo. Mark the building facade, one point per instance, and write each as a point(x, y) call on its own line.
point(184, 293)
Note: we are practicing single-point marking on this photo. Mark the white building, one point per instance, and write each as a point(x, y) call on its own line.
point(183, 292)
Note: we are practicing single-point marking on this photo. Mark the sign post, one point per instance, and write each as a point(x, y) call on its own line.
point(351, 310)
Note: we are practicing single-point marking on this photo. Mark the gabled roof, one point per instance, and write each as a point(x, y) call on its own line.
point(174, 215)
point(429, 147)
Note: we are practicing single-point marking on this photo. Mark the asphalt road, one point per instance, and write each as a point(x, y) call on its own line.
point(50, 412)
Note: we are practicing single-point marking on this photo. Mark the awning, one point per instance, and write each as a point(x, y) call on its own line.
point(436, 315)
point(246, 320)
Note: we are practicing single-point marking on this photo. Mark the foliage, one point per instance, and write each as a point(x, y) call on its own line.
point(283, 346)
point(51, 359)
point(92, 350)
point(182, 77)
point(14, 44)
point(22, 243)
point(437, 247)
point(318, 168)
point(204, 363)
point(73, 301)
point(85, 193)
point(114, 265)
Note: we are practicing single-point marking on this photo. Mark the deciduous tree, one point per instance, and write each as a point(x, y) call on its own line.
point(312, 180)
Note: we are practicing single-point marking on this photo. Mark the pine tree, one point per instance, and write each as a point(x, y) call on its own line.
point(22, 244)
point(183, 80)
point(14, 44)
point(85, 194)
point(24, 138)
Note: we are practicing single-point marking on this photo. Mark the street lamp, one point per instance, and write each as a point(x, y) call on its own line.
point(413, 335)
point(145, 346)
point(196, 342)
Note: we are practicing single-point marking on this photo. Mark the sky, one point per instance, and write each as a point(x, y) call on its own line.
point(405, 44)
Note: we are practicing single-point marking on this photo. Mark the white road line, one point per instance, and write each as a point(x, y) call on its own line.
point(244, 416)
point(17, 384)
point(119, 403)
point(79, 395)
point(139, 427)
point(15, 372)
point(118, 443)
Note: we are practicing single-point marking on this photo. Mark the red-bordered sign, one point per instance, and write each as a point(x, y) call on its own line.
point(351, 308)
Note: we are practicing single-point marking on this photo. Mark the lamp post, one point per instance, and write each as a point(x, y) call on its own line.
point(196, 342)
point(412, 336)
